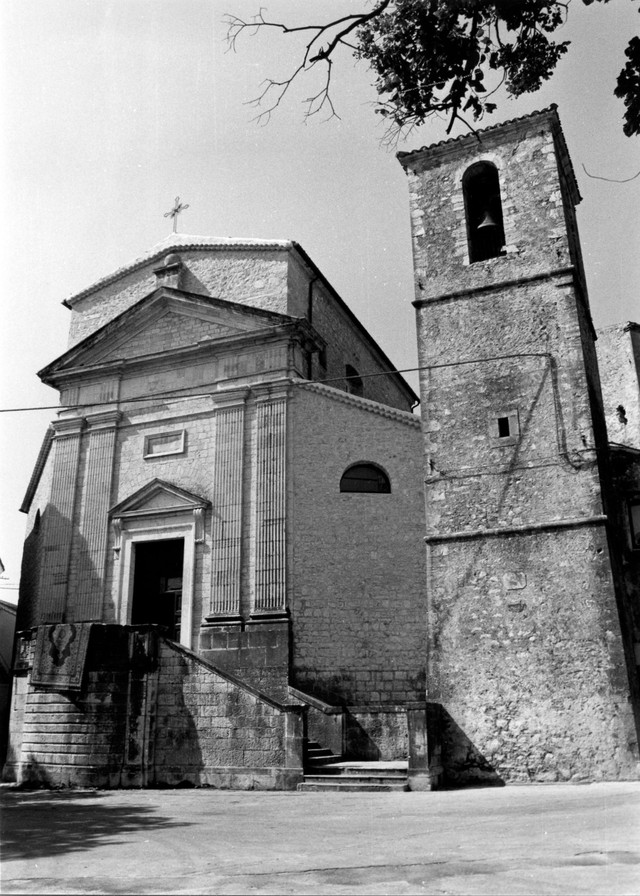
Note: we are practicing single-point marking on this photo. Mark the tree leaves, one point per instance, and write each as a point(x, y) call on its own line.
point(435, 56)
point(628, 88)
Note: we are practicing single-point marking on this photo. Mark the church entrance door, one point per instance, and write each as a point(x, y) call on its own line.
point(157, 584)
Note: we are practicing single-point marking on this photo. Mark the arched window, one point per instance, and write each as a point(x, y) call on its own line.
point(365, 478)
point(485, 228)
point(354, 381)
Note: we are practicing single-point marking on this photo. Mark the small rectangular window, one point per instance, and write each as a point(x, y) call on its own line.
point(503, 427)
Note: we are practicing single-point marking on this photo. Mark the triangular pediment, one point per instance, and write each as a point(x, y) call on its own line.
point(165, 321)
point(158, 496)
point(175, 326)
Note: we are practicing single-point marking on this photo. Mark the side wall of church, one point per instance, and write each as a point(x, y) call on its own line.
point(345, 342)
point(357, 586)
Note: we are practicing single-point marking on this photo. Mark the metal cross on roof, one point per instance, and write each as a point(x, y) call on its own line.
point(175, 211)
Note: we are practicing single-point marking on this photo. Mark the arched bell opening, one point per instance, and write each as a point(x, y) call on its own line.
point(483, 208)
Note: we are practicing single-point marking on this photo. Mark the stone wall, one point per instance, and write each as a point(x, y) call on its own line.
point(357, 586)
point(529, 664)
point(269, 278)
point(150, 714)
point(528, 648)
point(213, 731)
point(258, 655)
point(618, 350)
point(528, 154)
point(248, 276)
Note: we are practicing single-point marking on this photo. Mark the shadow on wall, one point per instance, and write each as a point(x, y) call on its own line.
point(86, 584)
point(358, 743)
point(178, 754)
point(464, 764)
point(50, 824)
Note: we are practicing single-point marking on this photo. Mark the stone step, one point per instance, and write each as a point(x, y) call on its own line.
point(317, 783)
point(322, 761)
point(343, 769)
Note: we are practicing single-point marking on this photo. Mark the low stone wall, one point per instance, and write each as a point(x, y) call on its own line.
point(150, 713)
point(258, 655)
point(212, 730)
point(376, 734)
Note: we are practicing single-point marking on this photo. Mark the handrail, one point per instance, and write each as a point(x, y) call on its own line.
point(326, 708)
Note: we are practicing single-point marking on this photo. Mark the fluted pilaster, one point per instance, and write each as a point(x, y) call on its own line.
point(58, 520)
point(270, 581)
point(86, 602)
point(227, 514)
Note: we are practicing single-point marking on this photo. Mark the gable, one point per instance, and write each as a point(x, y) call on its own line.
point(158, 496)
point(172, 330)
point(167, 320)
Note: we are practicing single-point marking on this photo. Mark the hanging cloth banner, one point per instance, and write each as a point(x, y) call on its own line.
point(60, 655)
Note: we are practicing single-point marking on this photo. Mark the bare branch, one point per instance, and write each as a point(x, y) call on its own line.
point(313, 54)
point(612, 180)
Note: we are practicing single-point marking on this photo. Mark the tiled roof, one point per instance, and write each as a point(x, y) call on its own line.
point(464, 137)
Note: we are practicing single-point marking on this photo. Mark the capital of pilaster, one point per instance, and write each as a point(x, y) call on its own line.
point(67, 427)
point(275, 391)
point(104, 420)
point(230, 398)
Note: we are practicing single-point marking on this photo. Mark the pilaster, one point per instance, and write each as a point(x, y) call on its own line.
point(59, 519)
point(270, 574)
point(94, 519)
point(224, 606)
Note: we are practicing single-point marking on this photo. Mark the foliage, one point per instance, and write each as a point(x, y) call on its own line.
point(434, 57)
point(628, 88)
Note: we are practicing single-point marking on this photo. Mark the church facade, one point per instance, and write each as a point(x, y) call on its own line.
point(242, 539)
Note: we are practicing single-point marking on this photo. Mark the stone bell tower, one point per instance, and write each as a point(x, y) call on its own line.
point(527, 655)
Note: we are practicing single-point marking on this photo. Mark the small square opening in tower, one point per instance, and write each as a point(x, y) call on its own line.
point(504, 430)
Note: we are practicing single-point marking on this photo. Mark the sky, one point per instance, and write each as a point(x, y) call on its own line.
point(109, 109)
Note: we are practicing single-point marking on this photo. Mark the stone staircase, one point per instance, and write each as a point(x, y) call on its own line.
point(324, 771)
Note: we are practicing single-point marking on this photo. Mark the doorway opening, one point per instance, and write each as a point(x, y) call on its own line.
point(157, 584)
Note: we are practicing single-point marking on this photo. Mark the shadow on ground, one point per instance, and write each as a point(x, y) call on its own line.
point(51, 824)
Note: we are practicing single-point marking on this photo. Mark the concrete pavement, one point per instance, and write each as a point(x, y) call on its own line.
point(544, 839)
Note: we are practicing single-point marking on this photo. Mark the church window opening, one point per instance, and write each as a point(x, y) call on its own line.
point(368, 478)
point(634, 519)
point(354, 381)
point(485, 227)
point(157, 584)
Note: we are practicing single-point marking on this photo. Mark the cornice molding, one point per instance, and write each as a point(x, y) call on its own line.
point(365, 404)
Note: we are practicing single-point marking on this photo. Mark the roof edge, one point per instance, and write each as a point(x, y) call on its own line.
point(365, 404)
point(38, 469)
point(178, 242)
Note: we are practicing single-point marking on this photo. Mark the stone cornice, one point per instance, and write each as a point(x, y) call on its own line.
point(365, 404)
point(496, 286)
point(291, 328)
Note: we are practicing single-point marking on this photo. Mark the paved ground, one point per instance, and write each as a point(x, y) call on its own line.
point(554, 839)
